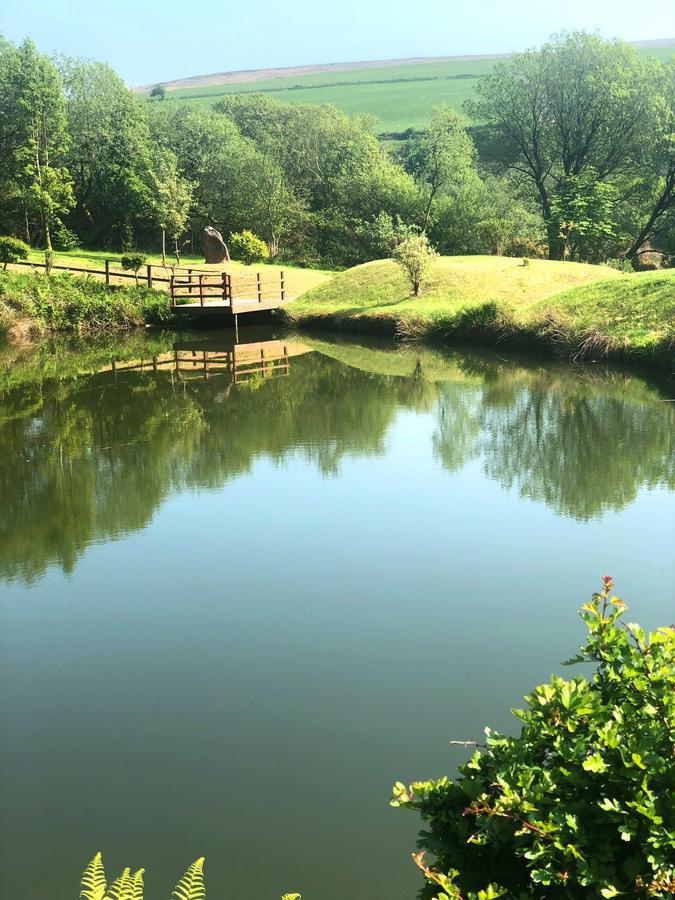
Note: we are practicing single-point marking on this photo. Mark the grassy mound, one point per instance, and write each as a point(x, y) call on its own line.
point(582, 310)
point(379, 291)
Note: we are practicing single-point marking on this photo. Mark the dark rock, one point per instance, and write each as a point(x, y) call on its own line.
point(215, 248)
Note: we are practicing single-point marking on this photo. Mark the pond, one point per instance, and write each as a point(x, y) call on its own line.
point(244, 589)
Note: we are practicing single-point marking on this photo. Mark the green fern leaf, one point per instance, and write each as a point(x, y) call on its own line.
point(136, 890)
point(191, 885)
point(121, 888)
point(93, 881)
point(292, 897)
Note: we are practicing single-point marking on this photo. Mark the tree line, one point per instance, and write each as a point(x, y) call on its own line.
point(571, 155)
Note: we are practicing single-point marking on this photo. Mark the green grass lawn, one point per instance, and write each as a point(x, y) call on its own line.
point(583, 309)
point(399, 96)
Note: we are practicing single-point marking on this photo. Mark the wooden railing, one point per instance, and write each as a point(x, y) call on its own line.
point(146, 275)
point(202, 288)
point(191, 286)
point(266, 358)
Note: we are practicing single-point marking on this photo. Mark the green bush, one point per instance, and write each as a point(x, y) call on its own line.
point(579, 805)
point(12, 250)
point(133, 262)
point(71, 303)
point(621, 265)
point(415, 256)
point(247, 247)
point(65, 239)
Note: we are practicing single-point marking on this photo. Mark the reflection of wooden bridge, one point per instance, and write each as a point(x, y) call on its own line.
point(240, 361)
point(205, 292)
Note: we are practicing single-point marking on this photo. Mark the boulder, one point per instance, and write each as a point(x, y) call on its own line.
point(215, 248)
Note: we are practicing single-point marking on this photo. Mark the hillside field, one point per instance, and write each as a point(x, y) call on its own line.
point(399, 96)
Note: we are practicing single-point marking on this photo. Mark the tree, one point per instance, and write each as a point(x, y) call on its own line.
point(110, 154)
point(442, 156)
point(158, 92)
point(578, 104)
point(133, 262)
point(660, 208)
point(41, 138)
point(582, 209)
point(415, 256)
point(578, 804)
point(172, 199)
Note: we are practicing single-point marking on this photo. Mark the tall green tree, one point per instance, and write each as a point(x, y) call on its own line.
point(579, 103)
point(440, 158)
point(43, 182)
point(171, 200)
point(110, 154)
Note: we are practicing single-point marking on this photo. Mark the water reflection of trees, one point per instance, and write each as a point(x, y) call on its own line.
point(581, 444)
point(90, 458)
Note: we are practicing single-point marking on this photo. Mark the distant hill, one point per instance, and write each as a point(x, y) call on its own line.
point(399, 93)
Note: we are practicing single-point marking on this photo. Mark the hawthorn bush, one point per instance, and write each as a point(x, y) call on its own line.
point(247, 247)
point(580, 804)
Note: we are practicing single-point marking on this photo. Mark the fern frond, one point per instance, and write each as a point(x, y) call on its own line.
point(191, 886)
point(121, 887)
point(292, 897)
point(136, 888)
point(93, 881)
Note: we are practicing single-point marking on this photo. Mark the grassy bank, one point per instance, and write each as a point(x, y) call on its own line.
point(36, 304)
point(579, 310)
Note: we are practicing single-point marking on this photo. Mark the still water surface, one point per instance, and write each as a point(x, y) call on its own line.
point(234, 612)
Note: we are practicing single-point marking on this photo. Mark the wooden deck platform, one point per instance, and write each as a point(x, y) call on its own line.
point(213, 294)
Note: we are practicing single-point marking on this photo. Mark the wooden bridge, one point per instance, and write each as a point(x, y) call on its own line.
point(239, 361)
point(207, 292)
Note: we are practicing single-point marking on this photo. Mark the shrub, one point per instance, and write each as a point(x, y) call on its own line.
point(415, 256)
point(247, 247)
point(621, 265)
point(133, 262)
point(12, 250)
point(578, 805)
point(65, 239)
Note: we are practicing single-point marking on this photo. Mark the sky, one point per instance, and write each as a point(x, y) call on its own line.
point(148, 41)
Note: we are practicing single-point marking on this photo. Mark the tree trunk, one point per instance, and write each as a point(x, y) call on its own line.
point(164, 246)
point(556, 248)
point(176, 250)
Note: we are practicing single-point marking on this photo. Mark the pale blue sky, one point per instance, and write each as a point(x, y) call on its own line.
point(157, 40)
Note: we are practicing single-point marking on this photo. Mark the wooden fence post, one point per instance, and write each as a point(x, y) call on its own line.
point(173, 299)
point(257, 275)
point(107, 272)
point(283, 287)
point(201, 289)
point(149, 276)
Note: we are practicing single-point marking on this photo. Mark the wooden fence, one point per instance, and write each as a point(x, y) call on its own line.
point(192, 287)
